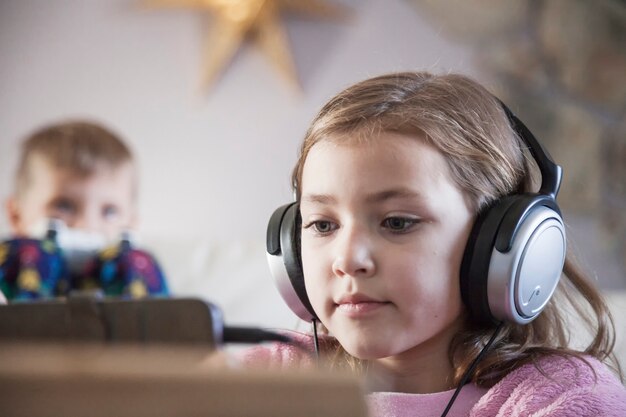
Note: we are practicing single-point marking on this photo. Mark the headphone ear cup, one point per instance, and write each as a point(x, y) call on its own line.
point(283, 255)
point(513, 259)
point(476, 259)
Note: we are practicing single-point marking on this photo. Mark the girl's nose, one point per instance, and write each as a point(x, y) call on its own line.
point(353, 255)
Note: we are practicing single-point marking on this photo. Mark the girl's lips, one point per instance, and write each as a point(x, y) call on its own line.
point(360, 308)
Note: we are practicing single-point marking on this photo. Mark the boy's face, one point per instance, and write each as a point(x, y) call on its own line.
point(100, 203)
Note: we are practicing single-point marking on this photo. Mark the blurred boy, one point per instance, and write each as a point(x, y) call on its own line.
point(77, 172)
point(83, 176)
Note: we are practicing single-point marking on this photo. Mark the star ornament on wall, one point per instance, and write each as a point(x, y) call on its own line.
point(260, 20)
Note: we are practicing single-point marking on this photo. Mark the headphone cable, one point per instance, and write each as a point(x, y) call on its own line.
point(471, 368)
point(316, 342)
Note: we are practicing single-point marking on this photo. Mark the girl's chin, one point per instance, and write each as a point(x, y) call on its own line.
point(370, 352)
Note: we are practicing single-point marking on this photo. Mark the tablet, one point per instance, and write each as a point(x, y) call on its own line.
point(182, 321)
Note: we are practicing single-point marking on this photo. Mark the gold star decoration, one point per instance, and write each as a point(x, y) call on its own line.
point(236, 20)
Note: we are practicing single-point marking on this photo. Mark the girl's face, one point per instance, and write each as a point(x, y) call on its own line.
point(383, 234)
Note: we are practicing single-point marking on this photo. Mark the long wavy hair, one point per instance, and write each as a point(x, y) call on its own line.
point(487, 161)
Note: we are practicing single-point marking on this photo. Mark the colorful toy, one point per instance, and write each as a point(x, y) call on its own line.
point(37, 269)
point(122, 270)
point(32, 268)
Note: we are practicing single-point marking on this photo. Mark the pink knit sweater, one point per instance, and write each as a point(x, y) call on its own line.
point(567, 388)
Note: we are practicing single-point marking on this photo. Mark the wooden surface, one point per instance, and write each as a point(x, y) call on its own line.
point(96, 380)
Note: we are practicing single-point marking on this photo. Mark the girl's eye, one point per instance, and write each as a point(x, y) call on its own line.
point(322, 226)
point(399, 224)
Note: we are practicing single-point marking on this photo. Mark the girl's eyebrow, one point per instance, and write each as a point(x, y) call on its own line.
point(378, 197)
point(318, 198)
point(400, 193)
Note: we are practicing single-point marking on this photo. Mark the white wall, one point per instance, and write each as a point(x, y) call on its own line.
point(214, 164)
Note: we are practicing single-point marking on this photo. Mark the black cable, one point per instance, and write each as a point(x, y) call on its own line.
point(315, 340)
point(471, 369)
point(252, 335)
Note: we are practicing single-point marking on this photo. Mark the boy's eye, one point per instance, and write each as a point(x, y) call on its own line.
point(64, 206)
point(399, 224)
point(109, 212)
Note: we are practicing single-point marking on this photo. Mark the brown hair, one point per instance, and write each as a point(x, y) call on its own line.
point(487, 160)
point(82, 147)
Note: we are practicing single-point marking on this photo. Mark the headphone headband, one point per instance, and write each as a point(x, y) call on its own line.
point(551, 173)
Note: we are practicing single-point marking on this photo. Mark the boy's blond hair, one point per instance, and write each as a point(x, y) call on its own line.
point(82, 147)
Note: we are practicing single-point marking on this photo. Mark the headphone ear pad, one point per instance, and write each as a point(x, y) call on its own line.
point(476, 258)
point(283, 255)
point(513, 259)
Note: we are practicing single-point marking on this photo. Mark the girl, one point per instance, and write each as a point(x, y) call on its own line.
point(419, 244)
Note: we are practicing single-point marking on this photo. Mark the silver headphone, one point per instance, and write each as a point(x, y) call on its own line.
point(512, 262)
